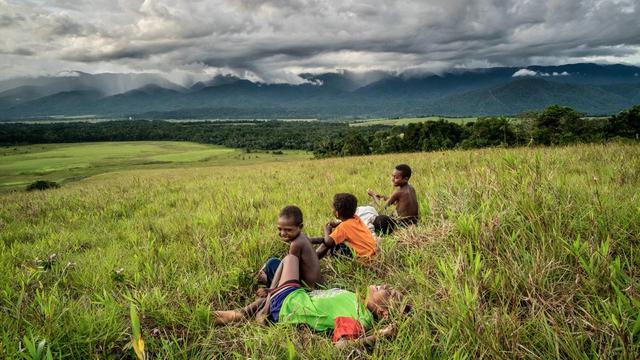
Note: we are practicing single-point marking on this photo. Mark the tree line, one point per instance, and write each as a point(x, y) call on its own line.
point(556, 125)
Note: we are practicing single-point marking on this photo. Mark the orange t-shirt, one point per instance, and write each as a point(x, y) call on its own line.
point(357, 235)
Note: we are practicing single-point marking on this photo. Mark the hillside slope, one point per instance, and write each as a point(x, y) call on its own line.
point(519, 252)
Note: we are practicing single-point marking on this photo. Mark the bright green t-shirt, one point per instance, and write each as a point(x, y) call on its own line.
point(320, 308)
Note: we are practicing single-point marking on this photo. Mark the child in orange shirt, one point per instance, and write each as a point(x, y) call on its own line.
point(349, 236)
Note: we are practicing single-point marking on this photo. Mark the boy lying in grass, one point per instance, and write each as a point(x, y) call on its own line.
point(403, 197)
point(349, 236)
point(290, 223)
point(322, 310)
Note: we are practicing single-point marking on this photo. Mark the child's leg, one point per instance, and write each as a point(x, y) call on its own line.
point(342, 249)
point(384, 224)
point(267, 272)
point(288, 270)
point(230, 316)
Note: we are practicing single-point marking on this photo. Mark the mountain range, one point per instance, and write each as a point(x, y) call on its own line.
point(594, 89)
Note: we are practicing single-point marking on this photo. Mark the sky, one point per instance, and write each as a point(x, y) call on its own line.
point(276, 40)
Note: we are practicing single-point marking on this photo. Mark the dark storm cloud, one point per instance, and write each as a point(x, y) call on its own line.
point(274, 39)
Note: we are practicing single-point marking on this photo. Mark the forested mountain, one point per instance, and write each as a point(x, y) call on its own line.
point(590, 88)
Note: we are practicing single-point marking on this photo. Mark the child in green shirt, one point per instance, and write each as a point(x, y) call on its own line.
point(334, 309)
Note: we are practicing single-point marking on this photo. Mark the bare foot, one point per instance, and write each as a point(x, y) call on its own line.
point(262, 277)
point(227, 317)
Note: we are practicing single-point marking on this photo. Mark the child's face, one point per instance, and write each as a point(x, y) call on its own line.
point(335, 212)
point(288, 229)
point(379, 297)
point(398, 179)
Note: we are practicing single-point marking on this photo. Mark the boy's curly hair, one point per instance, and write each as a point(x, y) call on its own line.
point(292, 212)
point(345, 204)
point(405, 170)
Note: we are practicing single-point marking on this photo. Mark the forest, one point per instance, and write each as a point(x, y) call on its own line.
point(555, 125)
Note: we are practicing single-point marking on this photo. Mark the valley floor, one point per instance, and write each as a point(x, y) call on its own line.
point(63, 163)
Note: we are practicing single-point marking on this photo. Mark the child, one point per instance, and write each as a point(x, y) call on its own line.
point(350, 236)
point(334, 309)
point(403, 197)
point(290, 225)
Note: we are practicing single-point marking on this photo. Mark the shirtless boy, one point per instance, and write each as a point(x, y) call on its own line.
point(290, 224)
point(403, 197)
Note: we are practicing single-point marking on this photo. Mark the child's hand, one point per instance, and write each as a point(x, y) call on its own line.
point(262, 292)
point(341, 344)
point(389, 331)
point(371, 193)
point(328, 227)
point(334, 223)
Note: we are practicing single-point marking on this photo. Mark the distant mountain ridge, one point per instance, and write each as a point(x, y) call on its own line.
point(590, 88)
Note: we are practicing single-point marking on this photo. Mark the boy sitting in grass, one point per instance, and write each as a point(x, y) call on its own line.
point(349, 236)
point(322, 310)
point(290, 223)
point(403, 197)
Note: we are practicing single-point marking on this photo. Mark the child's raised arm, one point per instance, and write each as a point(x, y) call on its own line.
point(391, 200)
point(377, 197)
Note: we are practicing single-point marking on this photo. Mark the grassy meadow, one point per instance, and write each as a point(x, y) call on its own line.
point(62, 163)
point(521, 253)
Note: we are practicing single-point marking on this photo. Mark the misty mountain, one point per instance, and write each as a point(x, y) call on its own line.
point(590, 88)
point(535, 93)
point(107, 83)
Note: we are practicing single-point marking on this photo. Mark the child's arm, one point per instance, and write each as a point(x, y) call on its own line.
point(394, 198)
point(327, 241)
point(376, 197)
point(389, 331)
point(295, 248)
point(321, 239)
point(317, 240)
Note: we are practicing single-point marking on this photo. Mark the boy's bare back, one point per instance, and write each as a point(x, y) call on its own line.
point(309, 263)
point(405, 200)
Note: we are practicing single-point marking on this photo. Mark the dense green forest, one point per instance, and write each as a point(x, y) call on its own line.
point(556, 125)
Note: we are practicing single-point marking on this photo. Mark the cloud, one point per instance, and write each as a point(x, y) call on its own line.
point(524, 72)
point(9, 20)
point(274, 40)
point(527, 72)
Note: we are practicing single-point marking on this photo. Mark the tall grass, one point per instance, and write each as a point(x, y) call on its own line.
point(521, 253)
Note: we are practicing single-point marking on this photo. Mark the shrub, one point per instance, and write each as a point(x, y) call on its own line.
point(42, 185)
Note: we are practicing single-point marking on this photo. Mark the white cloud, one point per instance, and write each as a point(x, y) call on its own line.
point(524, 72)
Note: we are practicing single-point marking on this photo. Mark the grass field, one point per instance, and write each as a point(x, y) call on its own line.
point(406, 121)
point(520, 253)
point(62, 163)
